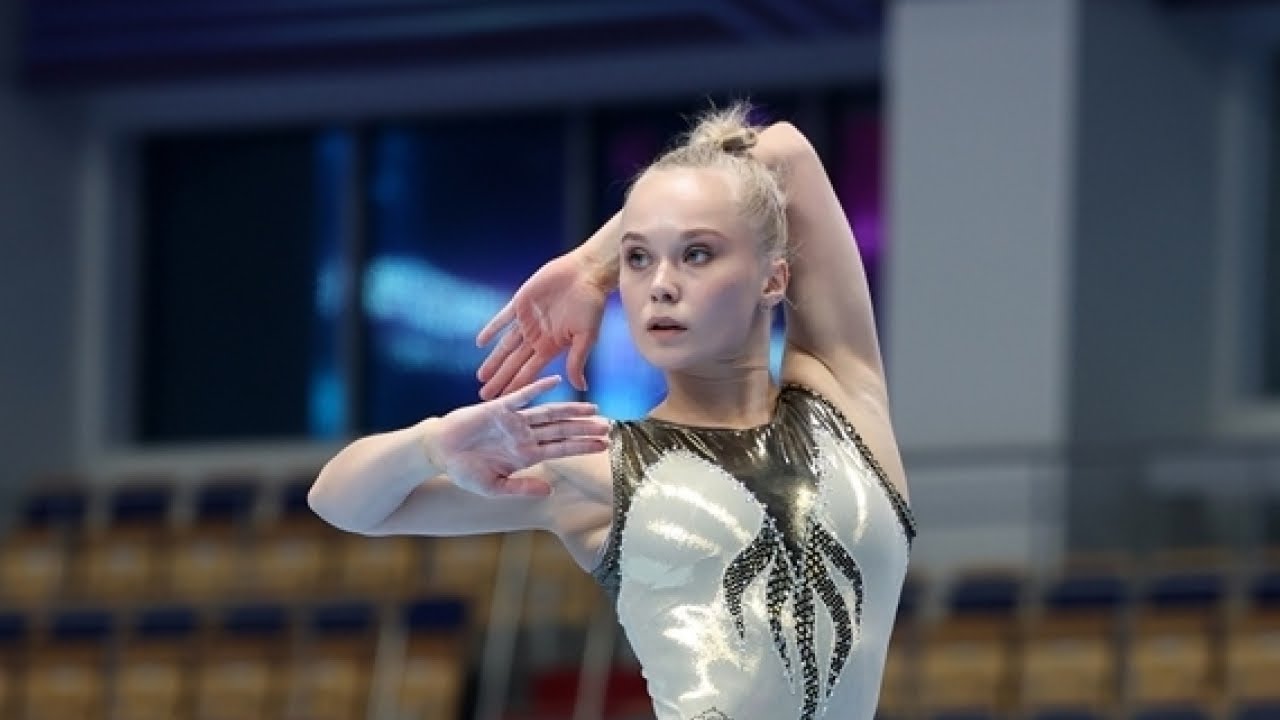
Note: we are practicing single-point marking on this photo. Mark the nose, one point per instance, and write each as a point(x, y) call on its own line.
point(662, 289)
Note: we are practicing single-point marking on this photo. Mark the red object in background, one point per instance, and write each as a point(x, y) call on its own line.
point(553, 693)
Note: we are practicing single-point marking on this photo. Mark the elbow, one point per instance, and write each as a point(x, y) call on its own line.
point(326, 500)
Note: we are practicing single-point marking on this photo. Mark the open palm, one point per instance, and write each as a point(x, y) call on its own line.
point(482, 447)
point(558, 308)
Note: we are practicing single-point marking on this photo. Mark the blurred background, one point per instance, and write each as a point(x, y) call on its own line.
point(235, 234)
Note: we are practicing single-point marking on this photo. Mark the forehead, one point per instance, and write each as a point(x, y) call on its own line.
point(682, 198)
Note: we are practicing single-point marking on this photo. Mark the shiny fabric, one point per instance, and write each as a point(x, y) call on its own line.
point(756, 572)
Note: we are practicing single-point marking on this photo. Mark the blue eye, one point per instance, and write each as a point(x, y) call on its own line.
point(697, 255)
point(637, 258)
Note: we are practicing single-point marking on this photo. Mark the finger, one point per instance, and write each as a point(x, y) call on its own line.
point(576, 365)
point(572, 446)
point(554, 412)
point(504, 316)
point(525, 395)
point(509, 343)
point(530, 369)
point(502, 378)
point(576, 429)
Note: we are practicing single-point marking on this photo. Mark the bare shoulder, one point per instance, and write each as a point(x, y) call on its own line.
point(862, 398)
point(582, 504)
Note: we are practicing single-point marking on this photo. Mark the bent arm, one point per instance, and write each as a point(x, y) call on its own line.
point(387, 484)
point(829, 316)
point(599, 254)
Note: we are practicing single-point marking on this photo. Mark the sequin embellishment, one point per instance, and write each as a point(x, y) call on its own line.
point(784, 584)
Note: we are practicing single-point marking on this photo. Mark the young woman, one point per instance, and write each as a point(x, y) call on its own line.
point(753, 531)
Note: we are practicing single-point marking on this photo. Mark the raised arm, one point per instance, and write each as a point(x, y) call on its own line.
point(829, 313)
point(482, 468)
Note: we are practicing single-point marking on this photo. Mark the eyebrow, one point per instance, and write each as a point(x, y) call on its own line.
point(686, 235)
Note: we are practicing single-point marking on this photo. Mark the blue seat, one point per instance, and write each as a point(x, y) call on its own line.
point(168, 622)
point(1265, 589)
point(985, 594)
point(1185, 590)
point(63, 508)
point(81, 625)
point(1066, 715)
point(436, 615)
point(342, 618)
point(1257, 711)
point(1171, 713)
point(141, 504)
point(225, 501)
point(1087, 592)
point(254, 620)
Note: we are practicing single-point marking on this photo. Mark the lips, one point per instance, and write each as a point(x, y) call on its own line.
point(661, 324)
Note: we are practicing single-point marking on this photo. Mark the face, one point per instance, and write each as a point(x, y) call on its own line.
point(692, 276)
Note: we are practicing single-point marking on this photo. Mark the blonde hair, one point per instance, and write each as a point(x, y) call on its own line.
point(721, 139)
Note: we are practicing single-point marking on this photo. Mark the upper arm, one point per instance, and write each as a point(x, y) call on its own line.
point(829, 310)
point(438, 507)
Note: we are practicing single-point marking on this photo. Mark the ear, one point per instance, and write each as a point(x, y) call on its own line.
point(775, 282)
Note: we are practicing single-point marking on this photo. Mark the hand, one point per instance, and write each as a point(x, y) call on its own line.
point(481, 447)
point(558, 307)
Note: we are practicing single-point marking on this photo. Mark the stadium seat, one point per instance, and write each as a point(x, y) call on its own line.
point(1071, 657)
point(239, 672)
point(434, 668)
point(291, 557)
point(379, 567)
point(34, 556)
point(557, 591)
point(465, 566)
point(125, 560)
point(330, 677)
point(207, 561)
point(1172, 657)
point(1175, 712)
point(967, 657)
point(67, 667)
point(153, 680)
point(1253, 657)
point(13, 657)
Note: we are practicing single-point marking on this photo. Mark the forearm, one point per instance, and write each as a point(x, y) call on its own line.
point(370, 478)
point(599, 253)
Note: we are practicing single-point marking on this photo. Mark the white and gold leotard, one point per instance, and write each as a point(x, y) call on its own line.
point(756, 572)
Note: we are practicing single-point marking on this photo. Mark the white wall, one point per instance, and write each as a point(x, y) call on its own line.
point(981, 109)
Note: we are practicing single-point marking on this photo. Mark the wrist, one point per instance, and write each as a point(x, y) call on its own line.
point(427, 434)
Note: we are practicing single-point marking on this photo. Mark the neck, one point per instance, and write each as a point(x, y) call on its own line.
point(743, 398)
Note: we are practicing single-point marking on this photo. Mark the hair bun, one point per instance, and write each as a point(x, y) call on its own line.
point(738, 140)
point(727, 130)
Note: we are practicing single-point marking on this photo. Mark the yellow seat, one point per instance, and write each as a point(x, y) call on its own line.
point(330, 677)
point(898, 685)
point(966, 665)
point(557, 592)
point(206, 563)
point(1171, 658)
point(65, 681)
point(291, 558)
point(382, 567)
point(1070, 662)
point(154, 672)
point(239, 673)
point(432, 680)
point(465, 566)
point(119, 563)
point(33, 566)
point(1253, 657)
